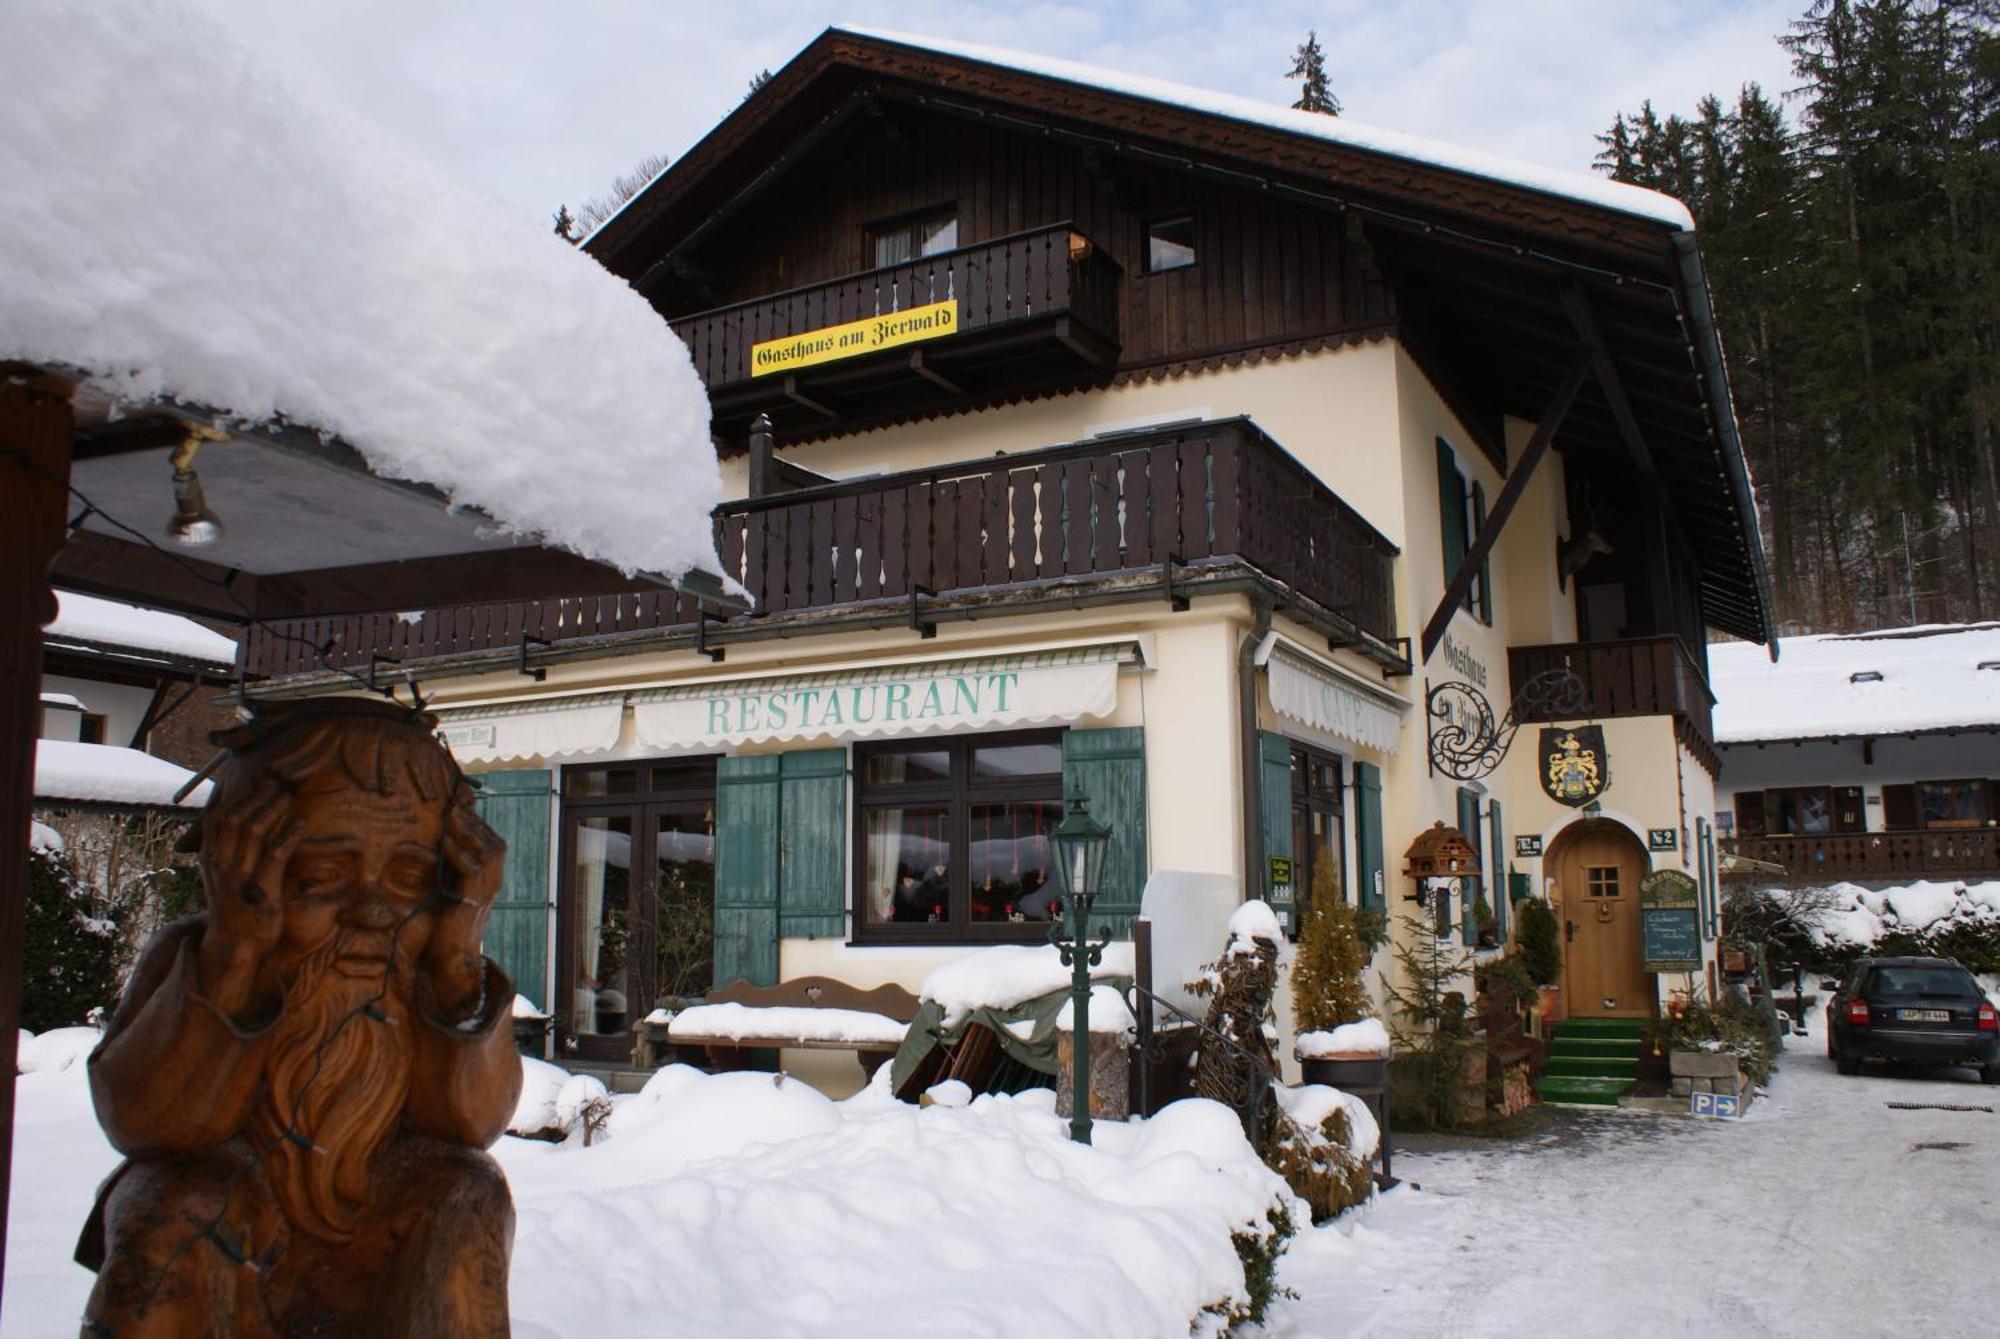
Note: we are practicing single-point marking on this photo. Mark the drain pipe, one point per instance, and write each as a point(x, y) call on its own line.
point(1246, 727)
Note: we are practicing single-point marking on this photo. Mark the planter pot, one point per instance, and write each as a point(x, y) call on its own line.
point(1354, 1072)
point(1548, 1006)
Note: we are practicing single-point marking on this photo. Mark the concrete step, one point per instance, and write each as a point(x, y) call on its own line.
point(1580, 1090)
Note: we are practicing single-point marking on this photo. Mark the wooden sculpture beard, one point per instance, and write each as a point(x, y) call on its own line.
point(303, 1079)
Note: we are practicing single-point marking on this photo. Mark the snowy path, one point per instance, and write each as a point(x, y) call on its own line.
point(1822, 1213)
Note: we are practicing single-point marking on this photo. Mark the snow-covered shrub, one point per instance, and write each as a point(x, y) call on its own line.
point(1824, 929)
point(71, 951)
point(1260, 1250)
point(1321, 1153)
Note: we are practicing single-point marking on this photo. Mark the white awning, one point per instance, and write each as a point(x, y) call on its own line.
point(1329, 699)
point(545, 729)
point(931, 697)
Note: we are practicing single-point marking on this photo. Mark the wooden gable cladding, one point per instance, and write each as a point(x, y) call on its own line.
point(1269, 271)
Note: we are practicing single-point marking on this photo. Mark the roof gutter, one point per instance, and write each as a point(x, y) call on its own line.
point(1708, 350)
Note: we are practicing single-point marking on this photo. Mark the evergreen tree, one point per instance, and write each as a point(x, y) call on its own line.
point(1326, 973)
point(565, 224)
point(757, 81)
point(1309, 64)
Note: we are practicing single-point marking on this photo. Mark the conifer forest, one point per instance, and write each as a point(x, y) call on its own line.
point(1851, 225)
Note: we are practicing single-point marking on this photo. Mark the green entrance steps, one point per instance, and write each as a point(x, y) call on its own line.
point(1592, 1061)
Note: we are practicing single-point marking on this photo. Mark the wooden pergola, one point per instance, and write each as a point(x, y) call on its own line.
point(87, 492)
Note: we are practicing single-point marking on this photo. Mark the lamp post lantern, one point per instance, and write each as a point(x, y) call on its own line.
point(1079, 843)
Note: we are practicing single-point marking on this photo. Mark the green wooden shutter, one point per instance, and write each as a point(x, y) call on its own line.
point(1468, 823)
point(746, 871)
point(1274, 794)
point(1704, 876)
point(1109, 767)
point(1497, 865)
point(1368, 836)
point(518, 805)
point(1485, 568)
point(1451, 509)
point(812, 844)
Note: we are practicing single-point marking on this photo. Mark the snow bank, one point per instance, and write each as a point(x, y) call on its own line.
point(1109, 1014)
point(731, 1022)
point(106, 774)
point(1310, 125)
point(86, 618)
point(56, 1050)
point(1367, 1037)
point(1009, 974)
point(541, 1084)
point(750, 1204)
point(183, 223)
point(1929, 679)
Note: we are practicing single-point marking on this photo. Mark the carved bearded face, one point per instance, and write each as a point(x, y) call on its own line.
point(366, 864)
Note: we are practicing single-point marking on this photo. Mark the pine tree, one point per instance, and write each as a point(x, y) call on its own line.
point(565, 224)
point(1309, 64)
point(1326, 973)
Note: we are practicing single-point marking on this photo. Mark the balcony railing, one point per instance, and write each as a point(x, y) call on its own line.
point(1114, 519)
point(1049, 272)
point(1877, 855)
point(1638, 676)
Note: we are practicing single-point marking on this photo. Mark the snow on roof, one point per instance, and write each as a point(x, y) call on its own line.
point(183, 223)
point(106, 774)
point(85, 618)
point(1894, 681)
point(1588, 188)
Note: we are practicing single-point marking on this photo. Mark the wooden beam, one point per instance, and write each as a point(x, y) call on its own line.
point(36, 421)
point(1503, 506)
point(1583, 319)
point(928, 370)
point(800, 398)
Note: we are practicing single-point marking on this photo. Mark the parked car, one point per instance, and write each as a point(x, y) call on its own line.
point(1923, 1010)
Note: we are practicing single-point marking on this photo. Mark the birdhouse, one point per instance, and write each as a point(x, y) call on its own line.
point(1440, 852)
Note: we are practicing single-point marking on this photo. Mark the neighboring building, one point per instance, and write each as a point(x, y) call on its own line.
point(127, 704)
point(1128, 438)
point(1871, 757)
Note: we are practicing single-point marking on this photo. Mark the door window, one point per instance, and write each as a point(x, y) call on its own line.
point(600, 922)
point(1317, 812)
point(904, 239)
point(1600, 881)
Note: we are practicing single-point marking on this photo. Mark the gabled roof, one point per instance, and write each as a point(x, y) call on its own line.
point(1921, 680)
point(125, 631)
point(1491, 257)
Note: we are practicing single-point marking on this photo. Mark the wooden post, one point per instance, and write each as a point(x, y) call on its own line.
point(34, 480)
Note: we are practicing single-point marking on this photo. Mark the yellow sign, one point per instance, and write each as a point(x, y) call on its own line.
point(854, 339)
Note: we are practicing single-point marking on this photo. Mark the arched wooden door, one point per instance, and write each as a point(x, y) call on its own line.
point(1598, 867)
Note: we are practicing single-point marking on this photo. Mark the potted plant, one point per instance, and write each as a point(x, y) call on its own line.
point(1340, 1042)
point(1541, 953)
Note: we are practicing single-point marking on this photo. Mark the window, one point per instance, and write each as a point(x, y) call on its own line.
point(952, 837)
point(916, 235)
point(1316, 823)
point(90, 729)
point(1461, 514)
point(1600, 881)
point(1170, 244)
point(1951, 804)
point(1799, 811)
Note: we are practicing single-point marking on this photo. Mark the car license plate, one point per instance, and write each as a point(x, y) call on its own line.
point(1924, 1015)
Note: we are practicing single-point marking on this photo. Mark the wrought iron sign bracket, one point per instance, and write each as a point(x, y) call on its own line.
point(521, 666)
point(1467, 742)
point(920, 625)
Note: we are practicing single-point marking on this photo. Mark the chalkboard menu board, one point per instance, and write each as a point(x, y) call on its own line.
point(1670, 921)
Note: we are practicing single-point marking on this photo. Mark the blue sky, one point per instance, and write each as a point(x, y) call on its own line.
point(541, 101)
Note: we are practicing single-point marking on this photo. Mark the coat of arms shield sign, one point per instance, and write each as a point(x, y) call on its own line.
point(1575, 769)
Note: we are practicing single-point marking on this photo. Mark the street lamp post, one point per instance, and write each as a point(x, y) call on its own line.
point(1079, 842)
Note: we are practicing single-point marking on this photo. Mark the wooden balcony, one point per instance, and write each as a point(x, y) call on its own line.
point(1031, 308)
point(1152, 516)
point(1951, 852)
point(1637, 676)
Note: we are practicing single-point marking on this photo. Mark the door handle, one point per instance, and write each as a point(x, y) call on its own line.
point(1569, 931)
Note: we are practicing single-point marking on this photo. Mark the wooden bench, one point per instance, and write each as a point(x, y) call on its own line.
point(811, 1013)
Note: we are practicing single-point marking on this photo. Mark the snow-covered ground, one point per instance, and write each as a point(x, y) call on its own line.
point(1824, 1212)
point(738, 1205)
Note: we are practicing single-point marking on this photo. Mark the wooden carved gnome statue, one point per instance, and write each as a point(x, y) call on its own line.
point(304, 1079)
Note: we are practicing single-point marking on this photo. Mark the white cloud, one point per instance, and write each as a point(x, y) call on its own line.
point(543, 103)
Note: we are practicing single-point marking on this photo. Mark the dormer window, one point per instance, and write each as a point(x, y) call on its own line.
point(1170, 243)
point(912, 236)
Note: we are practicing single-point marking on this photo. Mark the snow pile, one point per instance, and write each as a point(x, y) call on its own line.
point(106, 774)
point(1109, 1014)
point(1340, 130)
point(541, 1084)
point(733, 1022)
point(1859, 917)
point(1367, 1037)
point(183, 223)
point(1929, 679)
point(42, 837)
point(1310, 1104)
point(56, 1050)
point(751, 1204)
point(1252, 921)
point(527, 1008)
point(1009, 974)
point(86, 618)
